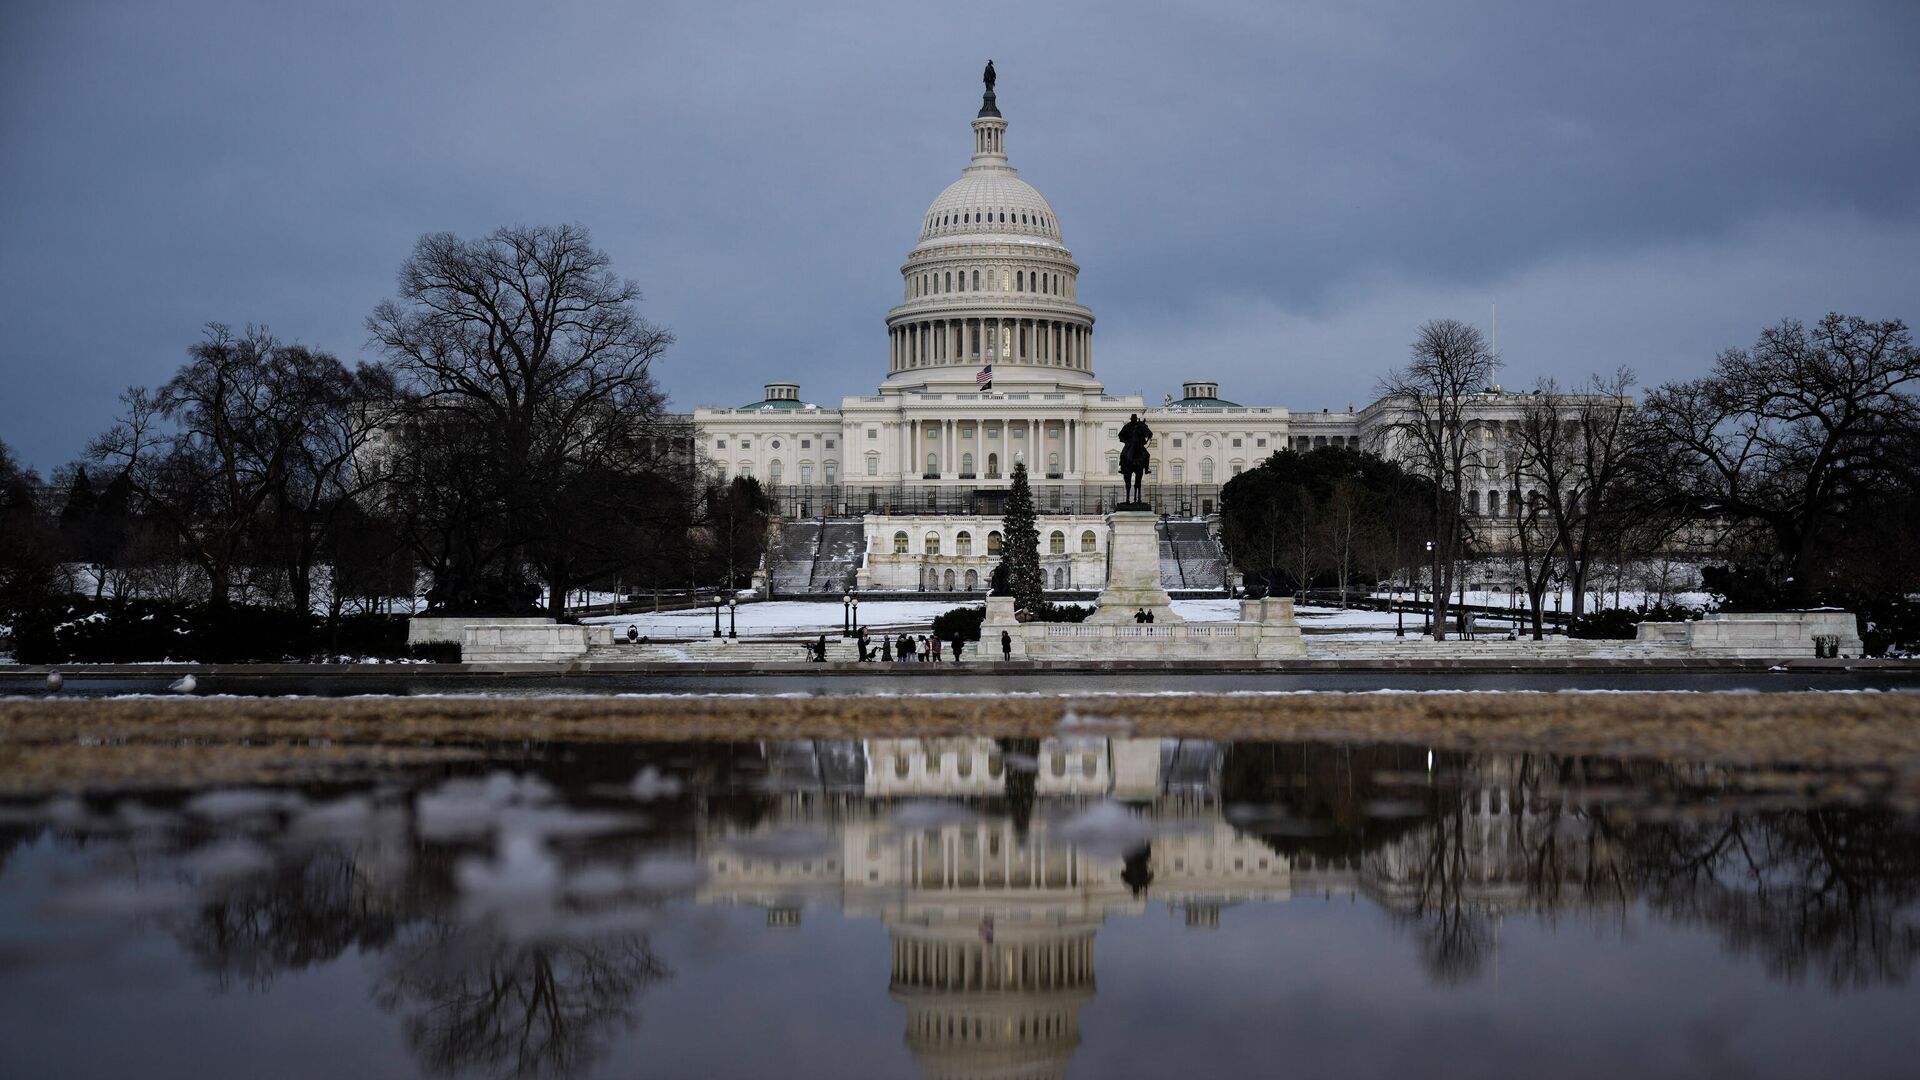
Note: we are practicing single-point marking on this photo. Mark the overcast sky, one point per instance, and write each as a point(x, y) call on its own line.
point(1273, 195)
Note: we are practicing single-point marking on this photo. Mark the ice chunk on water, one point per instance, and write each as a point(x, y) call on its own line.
point(650, 784)
point(1108, 829)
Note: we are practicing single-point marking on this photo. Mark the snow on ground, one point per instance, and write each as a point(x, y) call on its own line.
point(805, 618)
point(779, 617)
point(1628, 598)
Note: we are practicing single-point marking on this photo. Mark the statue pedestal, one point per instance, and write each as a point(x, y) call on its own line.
point(1133, 571)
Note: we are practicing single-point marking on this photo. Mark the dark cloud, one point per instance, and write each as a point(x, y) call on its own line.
point(1274, 193)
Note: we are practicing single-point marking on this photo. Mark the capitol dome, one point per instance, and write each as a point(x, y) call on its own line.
point(990, 289)
point(991, 201)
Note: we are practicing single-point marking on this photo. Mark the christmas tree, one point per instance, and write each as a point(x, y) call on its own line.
point(1020, 546)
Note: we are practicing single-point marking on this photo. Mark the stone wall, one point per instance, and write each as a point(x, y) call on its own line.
point(518, 643)
point(449, 629)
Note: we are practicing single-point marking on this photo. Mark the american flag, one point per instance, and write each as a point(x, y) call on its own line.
point(983, 379)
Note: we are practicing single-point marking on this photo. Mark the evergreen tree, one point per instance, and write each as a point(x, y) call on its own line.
point(1020, 545)
point(80, 500)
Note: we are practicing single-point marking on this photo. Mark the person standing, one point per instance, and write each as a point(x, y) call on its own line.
point(957, 646)
point(1006, 645)
point(906, 648)
point(886, 648)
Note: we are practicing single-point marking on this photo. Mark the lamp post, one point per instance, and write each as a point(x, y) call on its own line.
point(717, 601)
point(1399, 613)
point(733, 620)
point(854, 631)
point(1513, 608)
point(1427, 620)
point(846, 615)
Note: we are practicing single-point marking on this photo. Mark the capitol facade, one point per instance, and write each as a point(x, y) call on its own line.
point(989, 364)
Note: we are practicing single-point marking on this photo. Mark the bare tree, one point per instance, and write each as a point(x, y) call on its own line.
point(1428, 402)
point(1579, 453)
point(530, 333)
point(247, 429)
point(1791, 433)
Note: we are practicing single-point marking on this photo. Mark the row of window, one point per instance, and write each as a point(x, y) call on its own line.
point(940, 282)
point(963, 543)
point(989, 217)
point(1512, 502)
point(776, 474)
point(746, 442)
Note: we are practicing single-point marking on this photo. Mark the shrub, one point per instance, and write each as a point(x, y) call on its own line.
point(134, 631)
point(1052, 612)
point(1622, 623)
point(962, 623)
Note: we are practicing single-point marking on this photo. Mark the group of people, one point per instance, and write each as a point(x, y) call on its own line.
point(1143, 616)
point(921, 648)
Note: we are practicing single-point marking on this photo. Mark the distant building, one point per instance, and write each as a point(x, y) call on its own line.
point(990, 363)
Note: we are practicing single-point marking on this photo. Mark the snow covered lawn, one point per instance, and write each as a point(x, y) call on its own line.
point(781, 618)
point(806, 617)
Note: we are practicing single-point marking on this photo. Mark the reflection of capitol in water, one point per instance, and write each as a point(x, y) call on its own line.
point(991, 910)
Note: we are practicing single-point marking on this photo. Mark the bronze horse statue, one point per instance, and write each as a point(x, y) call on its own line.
point(1134, 459)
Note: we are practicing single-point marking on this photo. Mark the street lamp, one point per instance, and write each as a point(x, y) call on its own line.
point(846, 615)
point(1399, 613)
point(733, 620)
point(1433, 586)
point(717, 601)
point(855, 631)
point(1513, 608)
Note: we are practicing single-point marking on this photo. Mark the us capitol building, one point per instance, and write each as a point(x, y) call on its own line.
point(903, 490)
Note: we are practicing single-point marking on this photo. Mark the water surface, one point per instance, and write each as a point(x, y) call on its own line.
point(1082, 905)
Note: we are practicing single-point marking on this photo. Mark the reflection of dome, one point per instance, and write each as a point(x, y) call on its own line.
point(981, 1004)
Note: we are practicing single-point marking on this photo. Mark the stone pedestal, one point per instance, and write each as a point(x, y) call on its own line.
point(1133, 571)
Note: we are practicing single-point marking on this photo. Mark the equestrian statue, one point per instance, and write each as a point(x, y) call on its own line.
point(1133, 462)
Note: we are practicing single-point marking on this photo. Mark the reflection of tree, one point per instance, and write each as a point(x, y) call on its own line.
point(302, 913)
point(1329, 787)
point(479, 1005)
point(1455, 933)
point(1022, 783)
point(1832, 890)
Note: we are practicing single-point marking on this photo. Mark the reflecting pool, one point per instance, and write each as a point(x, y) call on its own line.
point(1079, 905)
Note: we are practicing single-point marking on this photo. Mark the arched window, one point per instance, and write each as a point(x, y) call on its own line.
point(1179, 471)
point(933, 543)
point(1206, 470)
point(1057, 543)
point(1019, 281)
point(933, 464)
point(1087, 541)
point(976, 281)
point(1113, 461)
point(773, 472)
point(1059, 578)
point(993, 543)
point(973, 580)
point(949, 287)
point(946, 581)
point(1473, 503)
point(1493, 504)
point(746, 469)
point(963, 543)
point(832, 472)
point(1053, 464)
point(900, 543)
point(966, 463)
